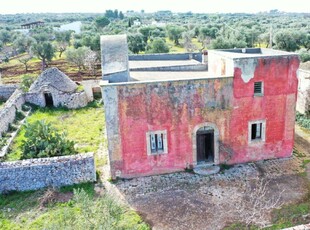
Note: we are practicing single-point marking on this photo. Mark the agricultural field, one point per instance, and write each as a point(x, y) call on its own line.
point(13, 71)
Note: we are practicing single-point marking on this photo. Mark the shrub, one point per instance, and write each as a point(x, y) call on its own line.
point(27, 81)
point(3, 141)
point(303, 120)
point(43, 140)
point(19, 115)
point(304, 55)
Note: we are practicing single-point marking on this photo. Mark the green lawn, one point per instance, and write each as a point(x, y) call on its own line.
point(72, 207)
point(1, 103)
point(83, 126)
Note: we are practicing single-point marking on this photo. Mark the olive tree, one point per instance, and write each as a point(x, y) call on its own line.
point(158, 45)
point(45, 51)
point(136, 43)
point(175, 33)
point(77, 56)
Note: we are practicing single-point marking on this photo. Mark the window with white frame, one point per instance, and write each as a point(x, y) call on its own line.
point(258, 88)
point(257, 131)
point(156, 142)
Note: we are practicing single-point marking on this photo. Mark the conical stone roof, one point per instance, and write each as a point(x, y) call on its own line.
point(55, 78)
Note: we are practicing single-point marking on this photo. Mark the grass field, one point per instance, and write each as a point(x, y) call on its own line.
point(72, 207)
point(83, 126)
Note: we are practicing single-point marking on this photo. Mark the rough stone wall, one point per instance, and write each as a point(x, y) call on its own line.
point(69, 100)
point(303, 97)
point(88, 88)
point(76, 100)
point(6, 91)
point(44, 172)
point(178, 106)
point(8, 111)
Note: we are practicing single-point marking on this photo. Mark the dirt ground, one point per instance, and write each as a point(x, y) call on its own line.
point(189, 201)
point(11, 72)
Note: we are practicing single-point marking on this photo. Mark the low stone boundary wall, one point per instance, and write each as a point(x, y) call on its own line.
point(6, 91)
point(177, 56)
point(8, 111)
point(303, 94)
point(196, 67)
point(38, 173)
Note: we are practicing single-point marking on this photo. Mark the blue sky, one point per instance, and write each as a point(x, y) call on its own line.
point(196, 6)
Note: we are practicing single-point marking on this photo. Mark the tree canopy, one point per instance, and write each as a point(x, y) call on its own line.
point(158, 45)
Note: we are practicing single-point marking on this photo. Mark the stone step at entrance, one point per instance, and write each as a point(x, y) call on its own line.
point(206, 169)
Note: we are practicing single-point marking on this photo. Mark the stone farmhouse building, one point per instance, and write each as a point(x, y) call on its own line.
point(54, 88)
point(168, 115)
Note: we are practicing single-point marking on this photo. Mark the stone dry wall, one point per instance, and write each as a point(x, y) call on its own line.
point(303, 96)
point(90, 86)
point(6, 91)
point(69, 100)
point(8, 111)
point(44, 172)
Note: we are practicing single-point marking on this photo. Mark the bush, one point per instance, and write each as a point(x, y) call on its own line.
point(304, 55)
point(43, 140)
point(3, 141)
point(158, 45)
point(19, 115)
point(303, 120)
point(27, 81)
point(83, 212)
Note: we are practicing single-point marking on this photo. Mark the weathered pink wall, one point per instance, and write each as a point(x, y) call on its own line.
point(178, 106)
point(173, 106)
point(277, 107)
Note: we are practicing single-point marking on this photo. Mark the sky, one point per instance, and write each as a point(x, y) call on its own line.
point(195, 6)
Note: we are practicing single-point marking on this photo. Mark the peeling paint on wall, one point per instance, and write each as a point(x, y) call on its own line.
point(247, 66)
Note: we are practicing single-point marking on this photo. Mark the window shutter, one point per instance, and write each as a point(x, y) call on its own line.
point(153, 143)
point(160, 142)
point(258, 87)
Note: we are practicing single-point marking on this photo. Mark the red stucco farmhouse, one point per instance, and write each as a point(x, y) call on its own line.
point(163, 117)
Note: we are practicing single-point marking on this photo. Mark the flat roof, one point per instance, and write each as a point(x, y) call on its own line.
point(169, 75)
point(251, 52)
point(161, 63)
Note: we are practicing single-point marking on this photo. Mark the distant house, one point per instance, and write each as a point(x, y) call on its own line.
point(32, 25)
point(74, 26)
point(54, 88)
point(137, 22)
point(171, 115)
point(158, 24)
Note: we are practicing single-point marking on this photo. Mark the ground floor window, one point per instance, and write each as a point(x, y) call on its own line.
point(156, 142)
point(257, 130)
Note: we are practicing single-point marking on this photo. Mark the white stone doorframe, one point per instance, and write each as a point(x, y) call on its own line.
point(216, 142)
